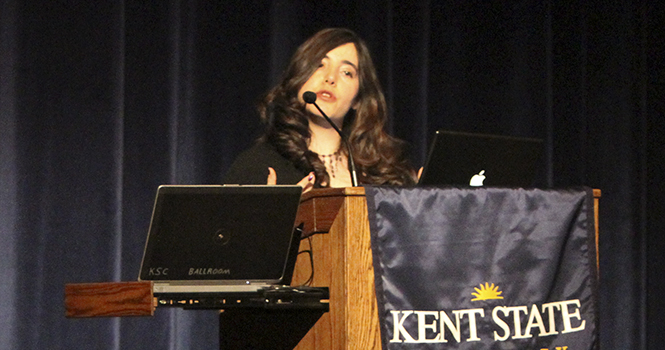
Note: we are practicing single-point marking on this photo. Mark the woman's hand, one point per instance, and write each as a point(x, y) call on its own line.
point(272, 176)
point(307, 182)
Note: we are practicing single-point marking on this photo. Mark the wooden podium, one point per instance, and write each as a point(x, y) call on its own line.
point(337, 235)
point(339, 240)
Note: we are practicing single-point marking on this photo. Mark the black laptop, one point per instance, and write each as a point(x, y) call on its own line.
point(206, 241)
point(469, 159)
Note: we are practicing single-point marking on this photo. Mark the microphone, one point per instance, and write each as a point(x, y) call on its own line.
point(310, 97)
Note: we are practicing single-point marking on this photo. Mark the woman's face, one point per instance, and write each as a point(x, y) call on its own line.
point(335, 83)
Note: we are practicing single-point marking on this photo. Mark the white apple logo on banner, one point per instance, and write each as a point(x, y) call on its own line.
point(478, 179)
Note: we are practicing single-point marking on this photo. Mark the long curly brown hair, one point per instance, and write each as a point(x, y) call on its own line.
point(379, 157)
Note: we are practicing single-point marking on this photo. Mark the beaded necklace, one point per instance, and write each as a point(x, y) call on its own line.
point(331, 160)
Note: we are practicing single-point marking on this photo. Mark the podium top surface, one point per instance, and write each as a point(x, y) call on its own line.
point(359, 191)
point(333, 192)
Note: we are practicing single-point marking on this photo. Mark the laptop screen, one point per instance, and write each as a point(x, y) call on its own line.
point(467, 159)
point(227, 234)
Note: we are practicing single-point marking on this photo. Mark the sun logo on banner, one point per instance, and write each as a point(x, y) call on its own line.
point(486, 292)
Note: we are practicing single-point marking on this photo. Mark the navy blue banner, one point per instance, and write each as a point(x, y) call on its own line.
point(484, 268)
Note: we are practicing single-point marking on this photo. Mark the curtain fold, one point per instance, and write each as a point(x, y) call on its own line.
point(101, 102)
point(8, 173)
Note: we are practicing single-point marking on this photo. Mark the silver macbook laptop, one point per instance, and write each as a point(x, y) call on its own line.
point(206, 239)
point(467, 159)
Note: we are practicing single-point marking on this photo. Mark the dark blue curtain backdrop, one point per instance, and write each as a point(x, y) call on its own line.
point(102, 101)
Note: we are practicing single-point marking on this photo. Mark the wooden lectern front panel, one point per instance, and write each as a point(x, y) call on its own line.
point(342, 259)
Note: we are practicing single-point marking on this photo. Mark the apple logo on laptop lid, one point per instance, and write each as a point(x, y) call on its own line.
point(477, 179)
